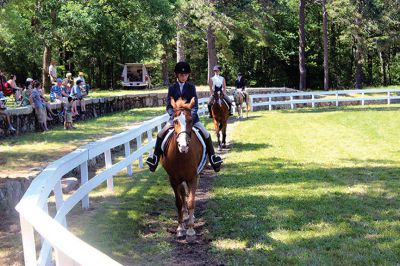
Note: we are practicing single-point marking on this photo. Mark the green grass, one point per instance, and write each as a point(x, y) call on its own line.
point(310, 187)
point(306, 186)
point(18, 155)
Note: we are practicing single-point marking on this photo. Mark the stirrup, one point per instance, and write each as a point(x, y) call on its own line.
point(216, 162)
point(152, 162)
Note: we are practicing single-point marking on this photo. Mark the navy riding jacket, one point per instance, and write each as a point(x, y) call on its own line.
point(188, 92)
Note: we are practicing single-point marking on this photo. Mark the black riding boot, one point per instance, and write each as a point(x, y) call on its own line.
point(209, 110)
point(214, 159)
point(153, 161)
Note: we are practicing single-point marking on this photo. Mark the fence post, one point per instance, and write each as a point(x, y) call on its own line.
point(291, 102)
point(138, 145)
point(251, 101)
point(127, 153)
point(388, 95)
point(85, 179)
point(312, 101)
point(363, 100)
point(59, 199)
point(28, 242)
point(270, 103)
point(337, 99)
point(110, 182)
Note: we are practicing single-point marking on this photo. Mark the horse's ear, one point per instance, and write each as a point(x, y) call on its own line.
point(192, 102)
point(173, 103)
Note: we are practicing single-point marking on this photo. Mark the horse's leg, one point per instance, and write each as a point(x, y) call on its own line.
point(184, 192)
point(191, 205)
point(224, 135)
point(216, 126)
point(180, 231)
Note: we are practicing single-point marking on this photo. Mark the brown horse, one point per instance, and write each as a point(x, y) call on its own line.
point(180, 160)
point(240, 97)
point(220, 113)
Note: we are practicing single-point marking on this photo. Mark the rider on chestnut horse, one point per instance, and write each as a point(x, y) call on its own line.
point(217, 83)
point(185, 90)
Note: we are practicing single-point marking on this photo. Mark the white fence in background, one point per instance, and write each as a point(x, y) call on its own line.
point(69, 249)
point(336, 97)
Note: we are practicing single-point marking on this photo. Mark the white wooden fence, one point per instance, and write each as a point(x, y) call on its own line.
point(336, 97)
point(70, 250)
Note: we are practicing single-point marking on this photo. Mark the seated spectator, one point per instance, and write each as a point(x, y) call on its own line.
point(26, 94)
point(3, 81)
point(4, 113)
point(11, 85)
point(38, 106)
point(77, 93)
point(28, 83)
point(68, 77)
point(45, 101)
point(84, 85)
point(57, 92)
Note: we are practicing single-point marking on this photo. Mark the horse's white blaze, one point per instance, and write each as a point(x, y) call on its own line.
point(183, 144)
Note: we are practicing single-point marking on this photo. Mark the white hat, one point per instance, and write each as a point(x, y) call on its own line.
point(29, 80)
point(69, 74)
point(217, 67)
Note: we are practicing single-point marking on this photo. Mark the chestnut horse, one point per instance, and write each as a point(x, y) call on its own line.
point(180, 160)
point(240, 97)
point(220, 114)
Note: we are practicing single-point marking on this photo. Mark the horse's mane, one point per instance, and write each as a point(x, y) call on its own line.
point(181, 104)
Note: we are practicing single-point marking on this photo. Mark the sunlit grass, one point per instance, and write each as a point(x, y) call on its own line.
point(311, 186)
point(18, 155)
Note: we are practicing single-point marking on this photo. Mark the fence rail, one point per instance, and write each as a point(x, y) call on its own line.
point(69, 249)
point(292, 99)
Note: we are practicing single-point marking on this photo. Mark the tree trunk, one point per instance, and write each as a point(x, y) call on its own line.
point(180, 45)
point(357, 62)
point(370, 65)
point(383, 66)
point(302, 60)
point(164, 67)
point(45, 64)
point(326, 48)
point(388, 67)
point(212, 51)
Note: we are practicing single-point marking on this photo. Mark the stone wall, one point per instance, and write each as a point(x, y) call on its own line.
point(24, 120)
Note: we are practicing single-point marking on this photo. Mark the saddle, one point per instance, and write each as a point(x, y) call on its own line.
point(167, 141)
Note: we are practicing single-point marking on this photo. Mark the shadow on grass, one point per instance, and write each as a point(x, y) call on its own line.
point(275, 211)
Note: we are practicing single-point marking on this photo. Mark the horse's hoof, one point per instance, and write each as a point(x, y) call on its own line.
point(190, 232)
point(186, 217)
point(180, 234)
point(219, 148)
point(223, 146)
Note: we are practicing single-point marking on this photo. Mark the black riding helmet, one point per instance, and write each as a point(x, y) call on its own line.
point(182, 68)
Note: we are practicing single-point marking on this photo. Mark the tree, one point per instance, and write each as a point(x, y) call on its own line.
point(302, 40)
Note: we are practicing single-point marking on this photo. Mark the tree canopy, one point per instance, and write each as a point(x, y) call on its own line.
point(259, 38)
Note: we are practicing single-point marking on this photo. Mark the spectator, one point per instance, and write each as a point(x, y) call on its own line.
point(38, 106)
point(57, 92)
point(45, 101)
point(28, 83)
point(76, 93)
point(84, 84)
point(53, 71)
point(67, 87)
point(4, 113)
point(26, 93)
point(69, 78)
point(11, 85)
point(2, 81)
point(68, 114)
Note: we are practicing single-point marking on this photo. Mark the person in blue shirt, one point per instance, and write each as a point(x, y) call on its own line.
point(185, 90)
point(57, 92)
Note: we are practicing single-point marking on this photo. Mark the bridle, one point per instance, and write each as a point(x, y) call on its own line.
point(189, 134)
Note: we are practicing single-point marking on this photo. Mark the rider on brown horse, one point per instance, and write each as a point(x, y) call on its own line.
point(217, 83)
point(185, 90)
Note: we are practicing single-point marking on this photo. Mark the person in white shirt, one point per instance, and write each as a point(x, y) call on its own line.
point(218, 83)
point(53, 71)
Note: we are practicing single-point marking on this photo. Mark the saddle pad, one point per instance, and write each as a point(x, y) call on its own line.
point(203, 160)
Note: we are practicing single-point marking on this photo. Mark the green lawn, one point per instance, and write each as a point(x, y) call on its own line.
point(302, 186)
point(18, 155)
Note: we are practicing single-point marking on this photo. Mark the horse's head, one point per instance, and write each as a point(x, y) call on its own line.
point(218, 96)
point(183, 122)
